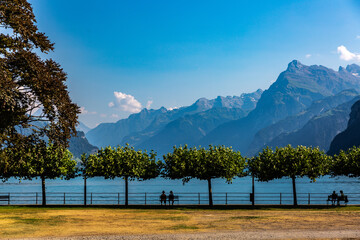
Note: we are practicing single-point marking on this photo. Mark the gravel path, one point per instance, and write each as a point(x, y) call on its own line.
point(335, 234)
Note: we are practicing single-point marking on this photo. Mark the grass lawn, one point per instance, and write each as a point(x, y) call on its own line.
point(78, 221)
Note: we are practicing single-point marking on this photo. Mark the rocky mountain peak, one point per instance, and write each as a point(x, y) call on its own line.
point(294, 66)
point(354, 69)
point(342, 69)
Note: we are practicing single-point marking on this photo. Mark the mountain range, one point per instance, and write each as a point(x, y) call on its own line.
point(287, 130)
point(141, 126)
point(295, 90)
point(306, 105)
point(318, 131)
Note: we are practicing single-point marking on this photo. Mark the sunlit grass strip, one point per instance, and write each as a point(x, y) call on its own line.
point(18, 222)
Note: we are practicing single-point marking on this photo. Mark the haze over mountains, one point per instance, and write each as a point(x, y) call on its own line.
point(141, 126)
point(306, 105)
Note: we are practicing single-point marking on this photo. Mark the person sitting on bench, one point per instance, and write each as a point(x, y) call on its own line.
point(333, 198)
point(342, 197)
point(171, 198)
point(163, 198)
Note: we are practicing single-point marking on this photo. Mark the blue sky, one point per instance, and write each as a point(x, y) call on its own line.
point(122, 56)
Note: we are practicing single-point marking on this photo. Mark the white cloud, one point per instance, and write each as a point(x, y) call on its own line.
point(346, 55)
point(172, 108)
point(114, 116)
point(148, 104)
point(125, 102)
point(358, 37)
point(103, 115)
point(308, 55)
point(84, 111)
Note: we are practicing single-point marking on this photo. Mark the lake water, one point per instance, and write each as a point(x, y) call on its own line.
point(105, 191)
point(98, 184)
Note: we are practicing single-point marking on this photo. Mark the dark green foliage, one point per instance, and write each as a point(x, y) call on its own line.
point(347, 163)
point(29, 83)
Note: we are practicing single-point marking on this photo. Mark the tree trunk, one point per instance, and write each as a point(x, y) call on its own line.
point(210, 192)
point(43, 191)
point(253, 190)
point(294, 191)
point(85, 191)
point(126, 191)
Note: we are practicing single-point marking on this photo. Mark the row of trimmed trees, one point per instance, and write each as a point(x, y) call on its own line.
point(183, 163)
point(50, 162)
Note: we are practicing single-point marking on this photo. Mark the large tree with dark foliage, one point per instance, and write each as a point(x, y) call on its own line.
point(34, 100)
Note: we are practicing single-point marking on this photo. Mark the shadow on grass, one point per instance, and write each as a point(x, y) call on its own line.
point(181, 227)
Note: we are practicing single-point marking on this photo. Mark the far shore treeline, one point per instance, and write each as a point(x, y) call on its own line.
point(50, 162)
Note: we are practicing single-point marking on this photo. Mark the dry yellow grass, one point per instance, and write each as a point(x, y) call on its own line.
point(46, 222)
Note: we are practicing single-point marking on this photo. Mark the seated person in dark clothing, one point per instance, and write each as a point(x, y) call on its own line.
point(342, 197)
point(163, 198)
point(171, 198)
point(334, 197)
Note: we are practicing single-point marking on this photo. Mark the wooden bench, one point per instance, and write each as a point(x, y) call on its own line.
point(338, 200)
point(5, 198)
point(344, 199)
point(176, 199)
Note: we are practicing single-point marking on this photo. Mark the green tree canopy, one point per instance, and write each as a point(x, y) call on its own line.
point(346, 163)
point(33, 94)
point(204, 164)
point(38, 161)
point(124, 162)
point(290, 162)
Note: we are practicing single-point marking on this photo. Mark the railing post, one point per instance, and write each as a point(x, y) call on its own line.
point(36, 201)
point(226, 199)
point(9, 199)
point(199, 197)
point(280, 198)
point(91, 198)
point(118, 198)
point(309, 199)
point(145, 199)
point(64, 199)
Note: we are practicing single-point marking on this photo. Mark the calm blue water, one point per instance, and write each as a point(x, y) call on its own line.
point(112, 191)
point(304, 185)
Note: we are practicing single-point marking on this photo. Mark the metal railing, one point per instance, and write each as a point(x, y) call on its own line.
point(108, 198)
